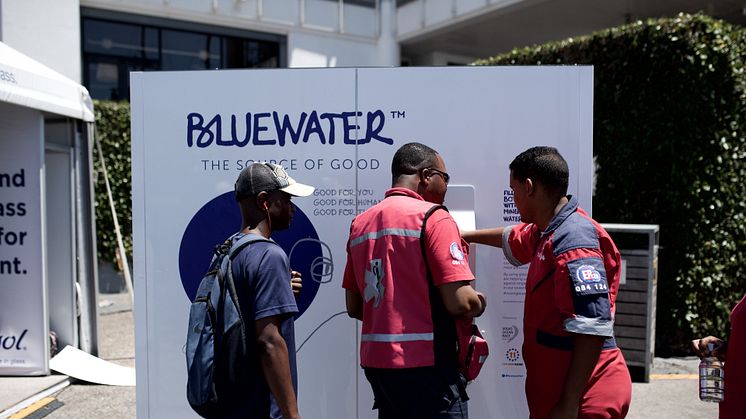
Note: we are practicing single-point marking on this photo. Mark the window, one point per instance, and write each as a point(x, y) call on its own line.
point(115, 44)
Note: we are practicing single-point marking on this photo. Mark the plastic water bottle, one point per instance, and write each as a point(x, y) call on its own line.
point(711, 378)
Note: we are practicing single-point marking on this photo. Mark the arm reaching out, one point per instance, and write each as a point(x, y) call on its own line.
point(489, 236)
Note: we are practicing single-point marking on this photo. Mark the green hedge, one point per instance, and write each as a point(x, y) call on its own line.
point(113, 131)
point(669, 133)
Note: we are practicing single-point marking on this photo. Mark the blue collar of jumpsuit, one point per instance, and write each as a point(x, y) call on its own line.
point(562, 215)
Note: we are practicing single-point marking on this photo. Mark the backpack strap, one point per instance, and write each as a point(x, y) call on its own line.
point(227, 284)
point(245, 241)
point(445, 340)
point(422, 236)
point(226, 278)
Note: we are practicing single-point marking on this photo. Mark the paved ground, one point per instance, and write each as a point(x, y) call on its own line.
point(671, 393)
point(116, 344)
point(82, 400)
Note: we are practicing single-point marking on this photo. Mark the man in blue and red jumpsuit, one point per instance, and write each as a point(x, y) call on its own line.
point(573, 366)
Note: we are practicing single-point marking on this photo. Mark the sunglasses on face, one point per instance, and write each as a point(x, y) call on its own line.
point(446, 177)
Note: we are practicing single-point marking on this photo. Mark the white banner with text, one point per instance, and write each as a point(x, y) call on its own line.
point(335, 129)
point(23, 313)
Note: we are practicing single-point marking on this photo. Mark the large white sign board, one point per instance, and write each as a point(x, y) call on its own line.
point(24, 347)
point(336, 129)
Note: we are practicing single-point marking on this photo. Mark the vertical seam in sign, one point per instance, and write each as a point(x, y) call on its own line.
point(589, 133)
point(357, 141)
point(581, 124)
point(357, 170)
point(581, 131)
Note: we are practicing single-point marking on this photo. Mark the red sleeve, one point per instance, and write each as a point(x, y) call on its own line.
point(519, 243)
point(348, 281)
point(447, 253)
point(562, 290)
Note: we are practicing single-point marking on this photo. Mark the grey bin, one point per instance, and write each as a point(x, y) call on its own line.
point(634, 322)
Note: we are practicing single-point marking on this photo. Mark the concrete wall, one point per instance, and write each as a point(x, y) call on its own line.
point(45, 30)
point(311, 50)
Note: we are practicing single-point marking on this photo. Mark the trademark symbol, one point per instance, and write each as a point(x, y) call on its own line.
point(398, 114)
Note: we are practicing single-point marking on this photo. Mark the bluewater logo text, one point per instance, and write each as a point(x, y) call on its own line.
point(276, 129)
point(13, 342)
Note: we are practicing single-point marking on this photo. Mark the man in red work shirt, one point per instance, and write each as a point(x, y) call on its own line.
point(573, 366)
point(408, 279)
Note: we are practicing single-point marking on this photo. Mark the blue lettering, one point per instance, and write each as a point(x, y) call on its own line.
point(330, 117)
point(12, 341)
point(349, 126)
point(314, 126)
point(258, 127)
point(234, 131)
point(371, 132)
point(282, 130)
point(286, 127)
point(218, 134)
point(8, 342)
point(193, 125)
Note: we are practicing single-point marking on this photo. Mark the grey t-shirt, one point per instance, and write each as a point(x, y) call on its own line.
point(262, 276)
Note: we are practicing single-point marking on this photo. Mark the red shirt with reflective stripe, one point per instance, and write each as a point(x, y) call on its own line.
point(386, 267)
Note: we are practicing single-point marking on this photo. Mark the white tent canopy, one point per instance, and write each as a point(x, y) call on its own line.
point(26, 82)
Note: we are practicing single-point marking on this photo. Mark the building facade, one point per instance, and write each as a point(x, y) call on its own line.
point(98, 42)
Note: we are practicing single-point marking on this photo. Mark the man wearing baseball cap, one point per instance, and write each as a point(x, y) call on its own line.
point(262, 277)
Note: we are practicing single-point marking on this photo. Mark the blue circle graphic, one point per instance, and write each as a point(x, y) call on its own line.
point(220, 218)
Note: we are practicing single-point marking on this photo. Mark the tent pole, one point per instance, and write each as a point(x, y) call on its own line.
point(117, 230)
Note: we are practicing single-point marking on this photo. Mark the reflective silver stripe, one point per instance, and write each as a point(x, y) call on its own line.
point(590, 326)
point(395, 337)
point(506, 247)
point(385, 232)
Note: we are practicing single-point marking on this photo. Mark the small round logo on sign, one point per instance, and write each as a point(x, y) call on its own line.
point(512, 354)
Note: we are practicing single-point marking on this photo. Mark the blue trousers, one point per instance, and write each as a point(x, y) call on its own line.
point(418, 393)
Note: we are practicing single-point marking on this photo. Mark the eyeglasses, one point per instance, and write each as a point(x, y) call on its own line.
point(446, 177)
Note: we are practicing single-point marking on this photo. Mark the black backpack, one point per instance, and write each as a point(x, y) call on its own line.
point(218, 366)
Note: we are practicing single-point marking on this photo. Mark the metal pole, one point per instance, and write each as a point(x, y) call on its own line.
point(86, 239)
